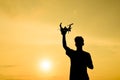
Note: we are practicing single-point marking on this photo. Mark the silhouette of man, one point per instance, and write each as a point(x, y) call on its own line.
point(79, 59)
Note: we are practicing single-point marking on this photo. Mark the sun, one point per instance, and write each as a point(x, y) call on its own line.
point(45, 65)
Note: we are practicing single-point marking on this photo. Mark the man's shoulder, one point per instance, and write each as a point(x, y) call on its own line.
point(86, 53)
point(69, 49)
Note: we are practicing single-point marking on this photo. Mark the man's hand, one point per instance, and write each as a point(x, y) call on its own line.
point(63, 30)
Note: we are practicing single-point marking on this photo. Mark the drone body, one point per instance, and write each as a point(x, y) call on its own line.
point(65, 28)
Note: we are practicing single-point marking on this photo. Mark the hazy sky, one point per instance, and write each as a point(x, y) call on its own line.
point(29, 33)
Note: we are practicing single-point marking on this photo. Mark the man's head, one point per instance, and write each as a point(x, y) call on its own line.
point(79, 41)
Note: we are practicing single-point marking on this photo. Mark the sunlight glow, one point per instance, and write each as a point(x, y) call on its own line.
point(45, 65)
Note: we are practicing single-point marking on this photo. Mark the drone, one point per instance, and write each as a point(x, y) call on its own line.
point(65, 28)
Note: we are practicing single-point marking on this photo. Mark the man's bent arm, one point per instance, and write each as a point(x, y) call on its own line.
point(90, 63)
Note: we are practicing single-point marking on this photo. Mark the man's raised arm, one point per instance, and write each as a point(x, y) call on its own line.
point(63, 32)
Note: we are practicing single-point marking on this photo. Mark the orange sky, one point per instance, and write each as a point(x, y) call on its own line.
point(29, 32)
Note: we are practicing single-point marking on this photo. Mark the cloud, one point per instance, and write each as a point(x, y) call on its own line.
point(7, 66)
